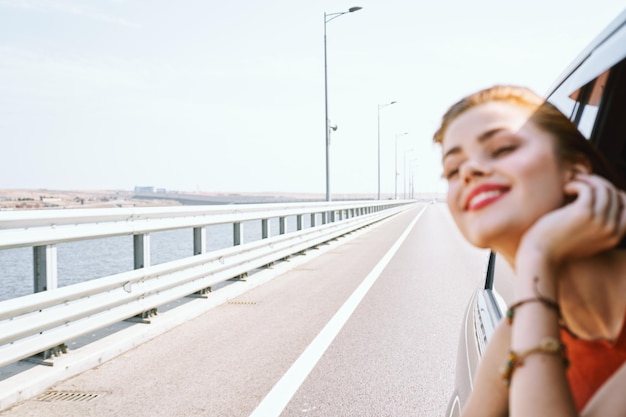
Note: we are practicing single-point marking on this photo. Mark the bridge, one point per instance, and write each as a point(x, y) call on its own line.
point(353, 313)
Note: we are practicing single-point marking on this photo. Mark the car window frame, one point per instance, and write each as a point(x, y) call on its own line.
point(608, 51)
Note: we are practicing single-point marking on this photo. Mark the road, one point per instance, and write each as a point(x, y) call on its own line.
point(369, 328)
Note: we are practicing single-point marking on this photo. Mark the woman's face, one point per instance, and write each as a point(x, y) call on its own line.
point(502, 174)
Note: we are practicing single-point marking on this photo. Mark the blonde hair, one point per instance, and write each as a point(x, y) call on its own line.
point(570, 144)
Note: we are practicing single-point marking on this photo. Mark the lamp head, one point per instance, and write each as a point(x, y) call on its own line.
point(354, 9)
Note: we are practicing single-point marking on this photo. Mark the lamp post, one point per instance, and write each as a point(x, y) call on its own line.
point(412, 165)
point(327, 18)
point(405, 152)
point(380, 106)
point(395, 190)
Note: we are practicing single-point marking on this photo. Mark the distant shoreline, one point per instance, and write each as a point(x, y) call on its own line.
point(33, 199)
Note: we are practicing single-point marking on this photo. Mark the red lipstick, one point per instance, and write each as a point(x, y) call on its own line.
point(483, 195)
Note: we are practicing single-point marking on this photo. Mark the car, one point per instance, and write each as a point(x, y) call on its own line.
point(592, 93)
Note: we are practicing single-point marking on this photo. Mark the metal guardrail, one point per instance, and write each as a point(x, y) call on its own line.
point(47, 320)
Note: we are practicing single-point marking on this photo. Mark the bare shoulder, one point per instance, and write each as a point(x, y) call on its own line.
point(489, 396)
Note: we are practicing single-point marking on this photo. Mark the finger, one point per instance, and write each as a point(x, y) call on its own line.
point(582, 192)
point(622, 214)
point(605, 201)
point(608, 202)
point(620, 197)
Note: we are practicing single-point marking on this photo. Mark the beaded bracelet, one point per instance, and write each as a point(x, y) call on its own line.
point(510, 313)
point(548, 345)
point(539, 298)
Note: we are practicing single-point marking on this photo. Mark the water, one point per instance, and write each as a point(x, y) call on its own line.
point(89, 259)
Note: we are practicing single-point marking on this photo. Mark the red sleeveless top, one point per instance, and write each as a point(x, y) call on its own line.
point(592, 362)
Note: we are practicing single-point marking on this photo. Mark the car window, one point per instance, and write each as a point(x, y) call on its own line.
point(588, 99)
point(581, 94)
point(609, 128)
point(505, 278)
point(598, 108)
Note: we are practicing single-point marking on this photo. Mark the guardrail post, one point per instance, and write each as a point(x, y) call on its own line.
point(299, 222)
point(46, 278)
point(45, 268)
point(313, 218)
point(238, 240)
point(282, 225)
point(47, 357)
point(141, 247)
point(324, 217)
point(237, 234)
point(199, 240)
point(332, 216)
point(265, 228)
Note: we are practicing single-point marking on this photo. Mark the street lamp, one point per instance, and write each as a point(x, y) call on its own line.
point(327, 18)
point(380, 106)
point(404, 187)
point(412, 164)
point(395, 192)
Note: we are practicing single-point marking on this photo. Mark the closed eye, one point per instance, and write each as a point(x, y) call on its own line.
point(450, 174)
point(504, 150)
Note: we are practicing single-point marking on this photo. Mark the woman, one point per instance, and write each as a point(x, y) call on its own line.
point(523, 182)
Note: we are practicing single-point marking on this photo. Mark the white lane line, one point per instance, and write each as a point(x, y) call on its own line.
point(277, 399)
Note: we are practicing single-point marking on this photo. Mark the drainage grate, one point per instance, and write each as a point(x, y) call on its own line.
point(72, 396)
point(242, 302)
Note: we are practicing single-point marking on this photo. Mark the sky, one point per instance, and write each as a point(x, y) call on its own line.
point(225, 96)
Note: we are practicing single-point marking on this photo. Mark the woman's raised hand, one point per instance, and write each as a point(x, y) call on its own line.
point(594, 221)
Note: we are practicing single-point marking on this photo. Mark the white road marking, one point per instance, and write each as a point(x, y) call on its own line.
point(279, 396)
